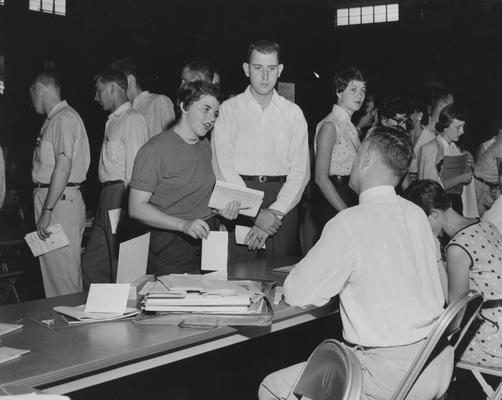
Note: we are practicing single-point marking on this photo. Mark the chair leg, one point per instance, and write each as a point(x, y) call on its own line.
point(498, 393)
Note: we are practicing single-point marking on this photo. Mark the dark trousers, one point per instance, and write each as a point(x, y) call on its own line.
point(323, 210)
point(174, 252)
point(284, 243)
point(100, 258)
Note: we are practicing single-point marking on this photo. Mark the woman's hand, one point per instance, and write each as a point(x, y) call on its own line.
point(465, 178)
point(255, 239)
point(231, 210)
point(197, 229)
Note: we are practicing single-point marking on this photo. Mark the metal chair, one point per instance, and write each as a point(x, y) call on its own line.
point(449, 329)
point(8, 278)
point(332, 373)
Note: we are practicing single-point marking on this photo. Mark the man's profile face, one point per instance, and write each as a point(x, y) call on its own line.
point(263, 70)
point(36, 97)
point(103, 95)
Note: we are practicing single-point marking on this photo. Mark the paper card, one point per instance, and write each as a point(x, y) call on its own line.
point(133, 258)
point(241, 232)
point(10, 353)
point(107, 298)
point(56, 241)
point(215, 251)
point(114, 216)
point(286, 269)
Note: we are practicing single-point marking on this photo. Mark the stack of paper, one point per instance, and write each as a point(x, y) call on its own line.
point(196, 293)
point(225, 192)
point(57, 240)
point(79, 316)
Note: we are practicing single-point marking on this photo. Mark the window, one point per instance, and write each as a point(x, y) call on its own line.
point(367, 14)
point(49, 6)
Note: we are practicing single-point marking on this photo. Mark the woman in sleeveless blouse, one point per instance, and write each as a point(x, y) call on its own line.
point(335, 145)
point(473, 262)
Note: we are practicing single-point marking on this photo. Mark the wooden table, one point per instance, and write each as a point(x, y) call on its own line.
point(69, 359)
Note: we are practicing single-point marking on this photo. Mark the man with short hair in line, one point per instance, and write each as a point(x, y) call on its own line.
point(157, 109)
point(125, 132)
point(60, 163)
point(197, 71)
point(379, 257)
point(261, 141)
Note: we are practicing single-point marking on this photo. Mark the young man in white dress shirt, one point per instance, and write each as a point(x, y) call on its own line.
point(379, 257)
point(260, 140)
point(125, 132)
point(157, 109)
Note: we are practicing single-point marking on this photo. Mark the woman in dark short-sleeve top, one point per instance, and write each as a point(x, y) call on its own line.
point(173, 180)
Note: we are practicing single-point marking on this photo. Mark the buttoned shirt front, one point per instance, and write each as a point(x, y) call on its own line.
point(249, 140)
point(347, 141)
point(157, 109)
point(63, 132)
point(125, 133)
point(379, 256)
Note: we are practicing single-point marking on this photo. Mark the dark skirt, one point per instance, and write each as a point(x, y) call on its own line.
point(323, 210)
point(173, 252)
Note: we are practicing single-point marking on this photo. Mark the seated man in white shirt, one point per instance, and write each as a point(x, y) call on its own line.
point(379, 257)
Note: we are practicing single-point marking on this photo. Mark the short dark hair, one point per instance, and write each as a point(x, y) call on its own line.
point(428, 195)
point(343, 77)
point(265, 47)
point(199, 71)
point(395, 106)
point(112, 76)
point(394, 146)
point(190, 92)
point(48, 78)
point(447, 115)
point(128, 66)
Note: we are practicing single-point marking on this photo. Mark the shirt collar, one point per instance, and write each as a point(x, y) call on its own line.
point(56, 109)
point(376, 191)
point(122, 109)
point(250, 99)
point(140, 97)
point(340, 112)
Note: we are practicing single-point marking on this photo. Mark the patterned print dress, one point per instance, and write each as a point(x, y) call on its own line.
point(483, 242)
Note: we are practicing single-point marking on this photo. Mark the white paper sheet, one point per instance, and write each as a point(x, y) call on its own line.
point(107, 298)
point(215, 251)
point(241, 232)
point(133, 258)
point(56, 241)
point(114, 216)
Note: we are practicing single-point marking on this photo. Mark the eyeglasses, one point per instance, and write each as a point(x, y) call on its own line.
point(400, 120)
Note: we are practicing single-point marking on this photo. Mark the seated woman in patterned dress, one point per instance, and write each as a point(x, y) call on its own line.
point(473, 262)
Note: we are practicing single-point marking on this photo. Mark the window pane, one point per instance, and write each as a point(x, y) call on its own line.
point(354, 15)
point(35, 5)
point(47, 6)
point(60, 7)
point(367, 15)
point(380, 13)
point(342, 16)
point(392, 12)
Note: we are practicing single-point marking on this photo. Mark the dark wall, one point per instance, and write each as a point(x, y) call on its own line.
point(457, 42)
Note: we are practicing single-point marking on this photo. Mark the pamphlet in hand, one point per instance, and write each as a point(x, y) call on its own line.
point(453, 166)
point(56, 241)
point(225, 192)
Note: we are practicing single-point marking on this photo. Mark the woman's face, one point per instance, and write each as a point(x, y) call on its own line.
point(353, 96)
point(454, 131)
point(201, 115)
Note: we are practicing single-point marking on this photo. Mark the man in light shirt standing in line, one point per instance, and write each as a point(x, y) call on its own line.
point(125, 132)
point(260, 140)
point(60, 163)
point(157, 109)
point(379, 257)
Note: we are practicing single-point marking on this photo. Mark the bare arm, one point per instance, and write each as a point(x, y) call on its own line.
point(458, 264)
point(326, 139)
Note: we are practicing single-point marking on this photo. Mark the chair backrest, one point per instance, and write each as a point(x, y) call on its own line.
point(332, 373)
point(449, 329)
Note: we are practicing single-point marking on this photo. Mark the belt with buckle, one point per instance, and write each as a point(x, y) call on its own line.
point(39, 185)
point(110, 183)
point(265, 178)
point(489, 184)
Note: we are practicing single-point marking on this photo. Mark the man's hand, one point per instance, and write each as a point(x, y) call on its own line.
point(42, 224)
point(255, 239)
point(197, 229)
point(268, 221)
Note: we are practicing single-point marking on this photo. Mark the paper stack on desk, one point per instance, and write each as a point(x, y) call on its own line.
point(195, 293)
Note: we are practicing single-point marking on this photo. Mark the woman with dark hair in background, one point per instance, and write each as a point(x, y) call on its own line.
point(173, 180)
point(473, 262)
point(460, 188)
point(335, 145)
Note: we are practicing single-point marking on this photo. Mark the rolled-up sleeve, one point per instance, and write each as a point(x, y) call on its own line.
point(325, 269)
point(64, 135)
